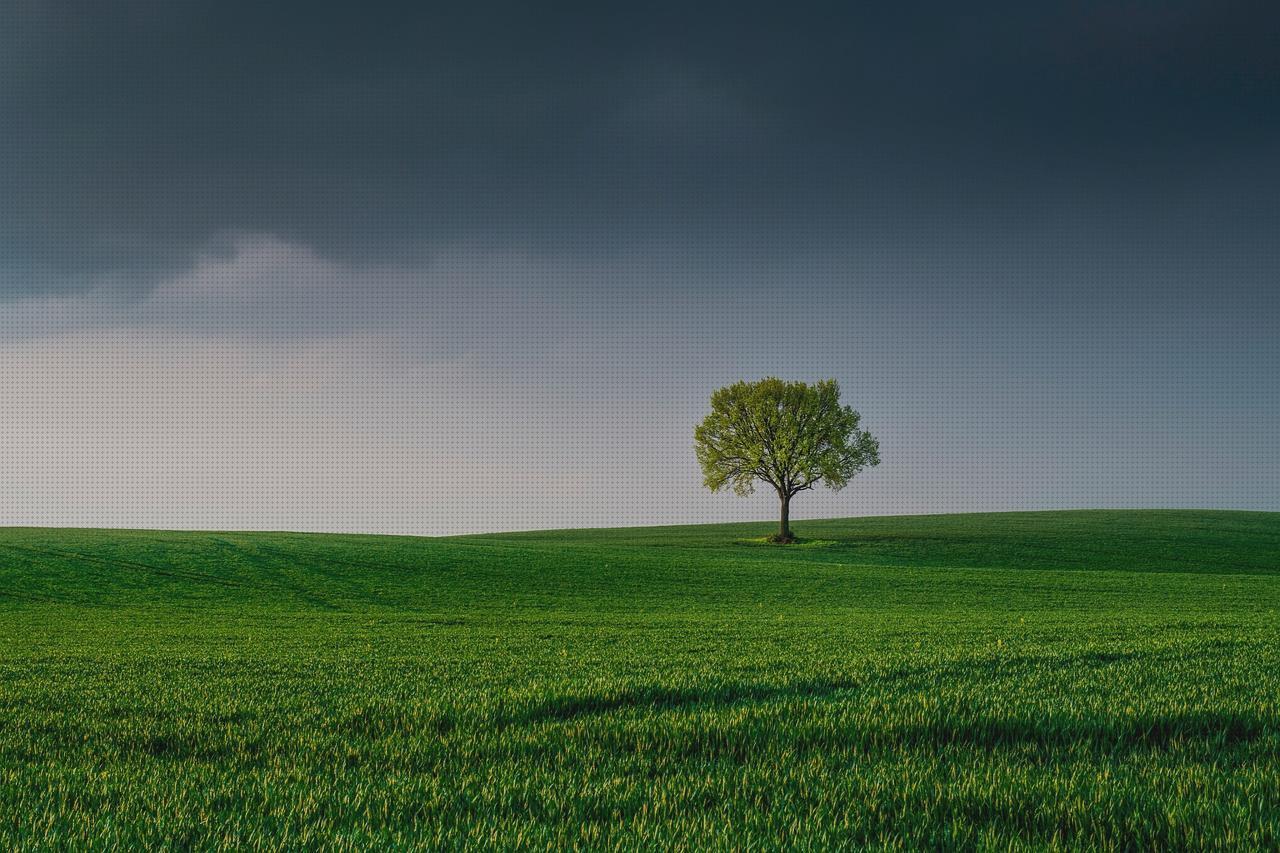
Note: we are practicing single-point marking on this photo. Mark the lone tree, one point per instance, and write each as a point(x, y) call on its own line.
point(788, 434)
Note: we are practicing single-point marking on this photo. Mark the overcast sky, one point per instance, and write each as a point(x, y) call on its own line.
point(390, 268)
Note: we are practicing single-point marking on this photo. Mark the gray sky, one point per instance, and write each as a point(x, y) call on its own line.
point(394, 269)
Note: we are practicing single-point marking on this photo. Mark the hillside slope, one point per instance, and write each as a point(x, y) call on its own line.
point(1074, 680)
point(845, 562)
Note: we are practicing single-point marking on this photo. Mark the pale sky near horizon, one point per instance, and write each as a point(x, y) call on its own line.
point(290, 266)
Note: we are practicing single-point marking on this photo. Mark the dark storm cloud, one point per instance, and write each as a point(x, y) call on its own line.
point(134, 132)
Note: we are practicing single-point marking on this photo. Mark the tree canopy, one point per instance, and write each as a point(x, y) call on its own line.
point(789, 435)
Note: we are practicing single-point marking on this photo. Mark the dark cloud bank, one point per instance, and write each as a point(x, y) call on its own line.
point(137, 131)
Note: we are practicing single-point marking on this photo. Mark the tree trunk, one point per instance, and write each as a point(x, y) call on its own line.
point(784, 527)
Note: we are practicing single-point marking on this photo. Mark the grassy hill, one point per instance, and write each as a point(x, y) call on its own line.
point(1065, 679)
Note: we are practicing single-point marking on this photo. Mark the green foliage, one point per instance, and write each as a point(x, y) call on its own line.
point(791, 435)
point(1075, 680)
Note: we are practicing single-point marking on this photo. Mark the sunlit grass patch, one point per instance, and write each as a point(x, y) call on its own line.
point(797, 543)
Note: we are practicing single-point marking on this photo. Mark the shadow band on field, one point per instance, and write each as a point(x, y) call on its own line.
point(659, 697)
point(966, 728)
point(972, 727)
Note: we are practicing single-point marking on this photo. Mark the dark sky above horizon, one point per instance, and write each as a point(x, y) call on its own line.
point(398, 268)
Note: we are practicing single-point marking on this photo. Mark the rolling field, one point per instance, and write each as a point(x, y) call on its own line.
point(1096, 679)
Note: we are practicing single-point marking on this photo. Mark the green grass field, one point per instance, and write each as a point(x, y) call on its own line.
point(1040, 680)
